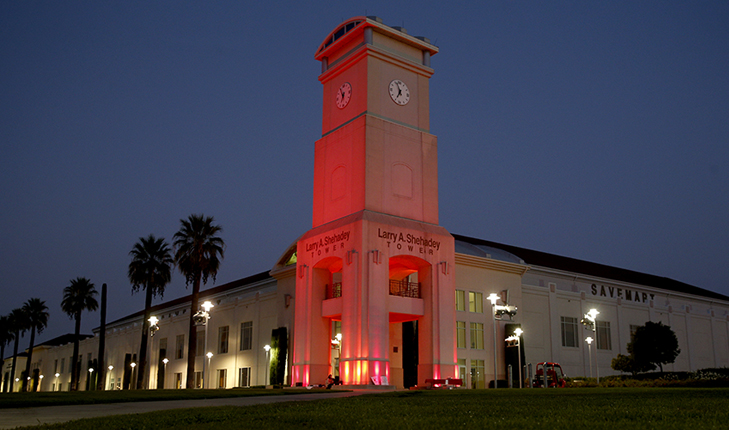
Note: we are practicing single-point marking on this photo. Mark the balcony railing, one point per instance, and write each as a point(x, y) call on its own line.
point(334, 290)
point(405, 289)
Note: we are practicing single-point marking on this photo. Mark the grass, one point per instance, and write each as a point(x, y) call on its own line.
point(24, 400)
point(598, 408)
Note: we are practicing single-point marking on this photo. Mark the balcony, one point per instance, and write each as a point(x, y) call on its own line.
point(405, 289)
point(334, 290)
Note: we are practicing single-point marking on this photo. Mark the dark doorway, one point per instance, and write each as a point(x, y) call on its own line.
point(410, 353)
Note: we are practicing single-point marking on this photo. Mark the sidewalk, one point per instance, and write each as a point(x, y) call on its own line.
point(11, 418)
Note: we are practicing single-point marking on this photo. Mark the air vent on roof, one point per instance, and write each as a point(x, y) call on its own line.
point(423, 38)
point(401, 30)
point(375, 18)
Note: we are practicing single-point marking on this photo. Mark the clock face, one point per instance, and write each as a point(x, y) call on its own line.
point(399, 92)
point(344, 93)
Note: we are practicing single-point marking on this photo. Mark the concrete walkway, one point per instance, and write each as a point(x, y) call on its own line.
point(11, 418)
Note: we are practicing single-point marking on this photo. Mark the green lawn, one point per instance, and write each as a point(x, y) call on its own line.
point(23, 400)
point(598, 408)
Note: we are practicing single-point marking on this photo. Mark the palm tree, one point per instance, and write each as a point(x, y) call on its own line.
point(18, 325)
point(150, 270)
point(37, 315)
point(6, 335)
point(198, 252)
point(78, 297)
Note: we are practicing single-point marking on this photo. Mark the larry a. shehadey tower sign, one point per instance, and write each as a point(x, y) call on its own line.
point(375, 257)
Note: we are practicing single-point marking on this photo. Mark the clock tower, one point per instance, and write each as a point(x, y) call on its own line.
point(375, 257)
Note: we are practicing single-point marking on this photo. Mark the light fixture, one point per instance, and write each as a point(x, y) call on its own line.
point(110, 367)
point(165, 360)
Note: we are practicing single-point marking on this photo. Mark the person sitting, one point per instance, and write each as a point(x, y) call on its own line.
point(330, 382)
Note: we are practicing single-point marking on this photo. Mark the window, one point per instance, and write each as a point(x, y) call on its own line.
point(246, 335)
point(633, 329)
point(223, 339)
point(475, 302)
point(244, 377)
point(200, 344)
point(603, 335)
point(198, 379)
point(461, 334)
point(460, 300)
point(55, 366)
point(569, 332)
point(180, 346)
point(478, 377)
point(476, 335)
point(222, 377)
point(63, 364)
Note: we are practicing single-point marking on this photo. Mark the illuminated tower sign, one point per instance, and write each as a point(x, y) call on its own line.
point(375, 256)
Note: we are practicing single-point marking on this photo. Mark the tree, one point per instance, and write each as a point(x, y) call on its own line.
point(78, 297)
point(36, 313)
point(628, 363)
point(6, 336)
point(654, 343)
point(198, 251)
point(149, 270)
point(18, 325)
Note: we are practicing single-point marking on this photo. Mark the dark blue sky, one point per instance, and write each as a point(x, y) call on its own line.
point(594, 130)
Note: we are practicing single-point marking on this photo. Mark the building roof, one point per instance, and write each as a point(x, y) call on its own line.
point(567, 264)
point(203, 294)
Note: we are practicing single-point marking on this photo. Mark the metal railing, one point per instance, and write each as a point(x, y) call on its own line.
point(334, 290)
point(405, 289)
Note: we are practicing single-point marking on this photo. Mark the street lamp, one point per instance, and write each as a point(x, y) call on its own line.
point(40, 383)
point(111, 379)
point(153, 327)
point(209, 355)
point(133, 364)
point(56, 383)
point(590, 323)
point(493, 297)
point(268, 351)
point(164, 373)
point(514, 340)
point(202, 318)
point(588, 339)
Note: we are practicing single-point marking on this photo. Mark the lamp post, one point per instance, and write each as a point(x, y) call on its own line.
point(133, 364)
point(493, 297)
point(518, 332)
point(111, 378)
point(588, 339)
point(590, 323)
point(56, 383)
point(203, 318)
point(40, 382)
point(268, 351)
point(209, 355)
point(164, 372)
point(91, 375)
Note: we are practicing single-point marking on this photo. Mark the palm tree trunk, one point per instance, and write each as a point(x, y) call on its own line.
point(143, 345)
point(74, 359)
point(192, 337)
point(30, 358)
point(15, 357)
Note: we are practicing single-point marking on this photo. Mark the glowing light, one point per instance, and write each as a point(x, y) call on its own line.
point(133, 364)
point(165, 360)
point(267, 348)
point(110, 367)
point(493, 297)
point(518, 332)
point(91, 370)
point(209, 354)
point(588, 340)
point(57, 375)
point(207, 305)
point(153, 320)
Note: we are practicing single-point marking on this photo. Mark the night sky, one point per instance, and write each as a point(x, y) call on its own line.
point(592, 130)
